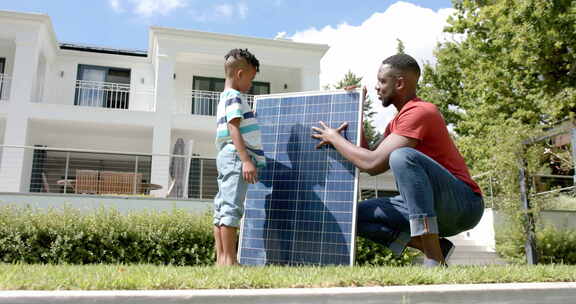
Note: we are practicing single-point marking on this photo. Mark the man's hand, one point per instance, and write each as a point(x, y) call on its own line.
point(249, 172)
point(326, 134)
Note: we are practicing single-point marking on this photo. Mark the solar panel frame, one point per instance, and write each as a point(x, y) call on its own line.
point(260, 99)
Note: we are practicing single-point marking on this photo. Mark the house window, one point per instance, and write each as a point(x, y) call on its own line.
point(259, 88)
point(104, 87)
point(205, 102)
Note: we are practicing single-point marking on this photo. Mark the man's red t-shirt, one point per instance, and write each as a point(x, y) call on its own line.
point(421, 120)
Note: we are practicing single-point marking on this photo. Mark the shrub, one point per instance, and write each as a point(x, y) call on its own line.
point(106, 236)
point(371, 253)
point(554, 246)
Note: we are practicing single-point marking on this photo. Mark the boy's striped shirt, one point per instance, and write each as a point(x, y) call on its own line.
point(232, 105)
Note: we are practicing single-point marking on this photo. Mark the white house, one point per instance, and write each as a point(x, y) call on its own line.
point(68, 111)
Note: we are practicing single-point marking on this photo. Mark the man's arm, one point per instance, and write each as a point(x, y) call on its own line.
point(249, 172)
point(372, 162)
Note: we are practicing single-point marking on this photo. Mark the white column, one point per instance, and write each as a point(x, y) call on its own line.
point(164, 99)
point(310, 79)
point(16, 163)
point(160, 159)
point(24, 74)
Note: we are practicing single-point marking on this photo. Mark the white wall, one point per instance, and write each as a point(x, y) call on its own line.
point(559, 219)
point(7, 52)
point(62, 88)
point(91, 137)
point(203, 142)
point(87, 203)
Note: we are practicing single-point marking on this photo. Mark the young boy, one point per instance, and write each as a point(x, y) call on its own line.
point(239, 152)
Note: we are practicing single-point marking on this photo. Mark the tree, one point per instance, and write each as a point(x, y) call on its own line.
point(372, 135)
point(510, 72)
point(515, 65)
point(400, 46)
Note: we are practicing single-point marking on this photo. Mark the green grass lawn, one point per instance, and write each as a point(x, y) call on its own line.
point(147, 277)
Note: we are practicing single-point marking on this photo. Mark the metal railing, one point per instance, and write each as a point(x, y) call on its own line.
point(198, 102)
point(541, 185)
point(113, 96)
point(5, 82)
point(92, 172)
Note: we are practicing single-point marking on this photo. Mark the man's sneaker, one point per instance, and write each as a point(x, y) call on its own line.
point(447, 249)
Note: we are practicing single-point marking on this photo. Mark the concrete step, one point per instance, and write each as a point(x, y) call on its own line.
point(477, 258)
point(489, 259)
point(473, 248)
point(471, 255)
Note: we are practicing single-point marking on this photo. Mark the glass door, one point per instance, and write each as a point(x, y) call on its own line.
point(205, 102)
point(106, 87)
point(90, 86)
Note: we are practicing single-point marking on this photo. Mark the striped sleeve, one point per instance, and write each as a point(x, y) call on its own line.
point(234, 108)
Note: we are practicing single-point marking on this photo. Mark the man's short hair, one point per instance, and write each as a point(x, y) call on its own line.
point(403, 63)
point(244, 54)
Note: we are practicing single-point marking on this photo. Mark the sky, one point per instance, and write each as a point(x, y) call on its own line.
point(360, 34)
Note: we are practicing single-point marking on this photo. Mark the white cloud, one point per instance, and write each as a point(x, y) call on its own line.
point(281, 35)
point(224, 10)
point(242, 10)
point(148, 8)
point(115, 5)
point(221, 11)
point(362, 48)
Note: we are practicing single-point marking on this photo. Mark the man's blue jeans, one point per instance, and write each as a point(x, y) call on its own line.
point(431, 200)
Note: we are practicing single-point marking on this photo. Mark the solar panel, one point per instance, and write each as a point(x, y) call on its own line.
point(303, 209)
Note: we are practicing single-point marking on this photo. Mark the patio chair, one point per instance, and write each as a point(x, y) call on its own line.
point(131, 183)
point(86, 182)
point(113, 182)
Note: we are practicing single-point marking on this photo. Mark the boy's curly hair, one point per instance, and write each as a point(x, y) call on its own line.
point(246, 55)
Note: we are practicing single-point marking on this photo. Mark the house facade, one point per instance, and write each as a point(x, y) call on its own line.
point(74, 115)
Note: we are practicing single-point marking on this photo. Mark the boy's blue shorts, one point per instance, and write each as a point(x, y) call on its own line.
point(229, 202)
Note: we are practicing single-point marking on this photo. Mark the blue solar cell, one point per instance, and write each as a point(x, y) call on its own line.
point(301, 211)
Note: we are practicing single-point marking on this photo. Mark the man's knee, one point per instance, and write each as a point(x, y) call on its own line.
point(364, 212)
point(400, 156)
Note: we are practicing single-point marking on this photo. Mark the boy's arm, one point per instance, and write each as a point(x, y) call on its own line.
point(249, 172)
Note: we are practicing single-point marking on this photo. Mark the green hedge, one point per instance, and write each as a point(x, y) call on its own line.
point(554, 246)
point(106, 236)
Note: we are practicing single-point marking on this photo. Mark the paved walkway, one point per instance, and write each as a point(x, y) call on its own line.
point(524, 293)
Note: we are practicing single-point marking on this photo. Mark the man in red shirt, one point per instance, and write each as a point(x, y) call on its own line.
point(438, 197)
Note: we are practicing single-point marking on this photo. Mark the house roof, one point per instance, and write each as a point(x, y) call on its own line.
point(102, 50)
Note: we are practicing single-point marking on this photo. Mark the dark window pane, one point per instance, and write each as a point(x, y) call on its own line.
point(202, 84)
point(118, 76)
point(260, 88)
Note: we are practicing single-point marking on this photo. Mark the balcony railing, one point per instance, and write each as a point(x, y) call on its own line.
point(113, 96)
point(204, 102)
point(90, 172)
point(5, 82)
